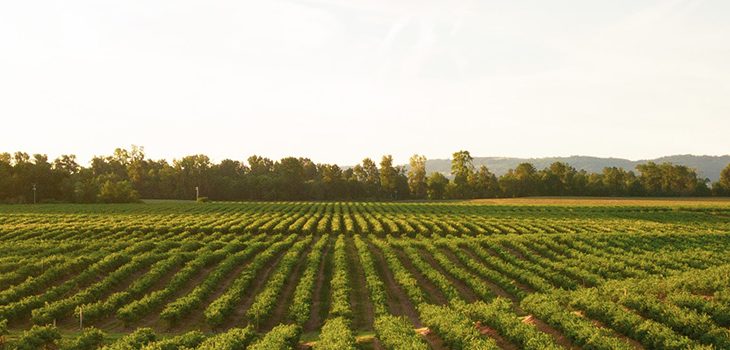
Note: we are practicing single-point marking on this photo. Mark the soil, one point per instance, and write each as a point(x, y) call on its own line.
point(320, 296)
point(473, 255)
point(432, 293)
point(464, 290)
point(153, 320)
point(362, 308)
point(496, 290)
point(281, 309)
point(238, 316)
point(491, 333)
point(196, 318)
point(433, 340)
point(557, 336)
point(398, 302)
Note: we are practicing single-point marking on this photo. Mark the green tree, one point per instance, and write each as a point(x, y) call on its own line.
point(667, 179)
point(290, 176)
point(617, 181)
point(388, 177)
point(722, 186)
point(192, 171)
point(520, 182)
point(436, 186)
point(116, 191)
point(332, 181)
point(483, 183)
point(417, 176)
point(369, 176)
point(557, 179)
point(462, 168)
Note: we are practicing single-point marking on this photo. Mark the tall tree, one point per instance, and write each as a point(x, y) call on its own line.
point(369, 176)
point(436, 186)
point(290, 176)
point(193, 171)
point(520, 182)
point(483, 183)
point(417, 176)
point(722, 186)
point(462, 168)
point(388, 177)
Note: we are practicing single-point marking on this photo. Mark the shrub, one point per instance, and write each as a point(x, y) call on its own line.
point(3, 332)
point(90, 339)
point(134, 341)
point(39, 337)
point(336, 335)
point(280, 337)
point(189, 340)
point(397, 333)
point(233, 339)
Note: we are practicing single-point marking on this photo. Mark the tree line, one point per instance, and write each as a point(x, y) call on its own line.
point(127, 175)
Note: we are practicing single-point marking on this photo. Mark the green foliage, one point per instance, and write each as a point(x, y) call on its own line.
point(340, 284)
point(220, 308)
point(134, 341)
point(436, 186)
point(189, 340)
point(281, 337)
point(581, 331)
point(499, 316)
point(654, 276)
point(375, 286)
point(90, 339)
point(722, 186)
point(111, 191)
point(3, 332)
point(232, 339)
point(455, 328)
point(266, 299)
point(397, 333)
point(175, 310)
point(126, 176)
point(336, 335)
point(417, 176)
point(38, 337)
point(300, 308)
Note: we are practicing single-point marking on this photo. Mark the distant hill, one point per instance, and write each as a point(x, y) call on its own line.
point(706, 166)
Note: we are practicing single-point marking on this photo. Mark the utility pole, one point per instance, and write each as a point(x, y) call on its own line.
point(197, 193)
point(34, 193)
point(81, 317)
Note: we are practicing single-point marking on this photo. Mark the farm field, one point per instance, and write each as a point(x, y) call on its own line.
point(492, 274)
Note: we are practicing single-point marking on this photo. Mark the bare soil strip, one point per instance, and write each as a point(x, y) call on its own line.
point(433, 340)
point(279, 314)
point(598, 324)
point(474, 256)
point(153, 320)
point(465, 291)
point(111, 324)
point(362, 307)
point(238, 316)
point(433, 294)
point(496, 290)
point(196, 319)
point(558, 337)
point(491, 333)
point(320, 296)
point(398, 302)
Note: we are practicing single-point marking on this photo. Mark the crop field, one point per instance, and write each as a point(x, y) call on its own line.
point(510, 274)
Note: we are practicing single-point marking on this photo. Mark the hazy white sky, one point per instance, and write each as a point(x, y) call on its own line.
point(340, 80)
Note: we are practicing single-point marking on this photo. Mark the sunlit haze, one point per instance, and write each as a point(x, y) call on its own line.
point(337, 81)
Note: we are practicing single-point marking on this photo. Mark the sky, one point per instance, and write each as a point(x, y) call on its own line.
point(337, 81)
